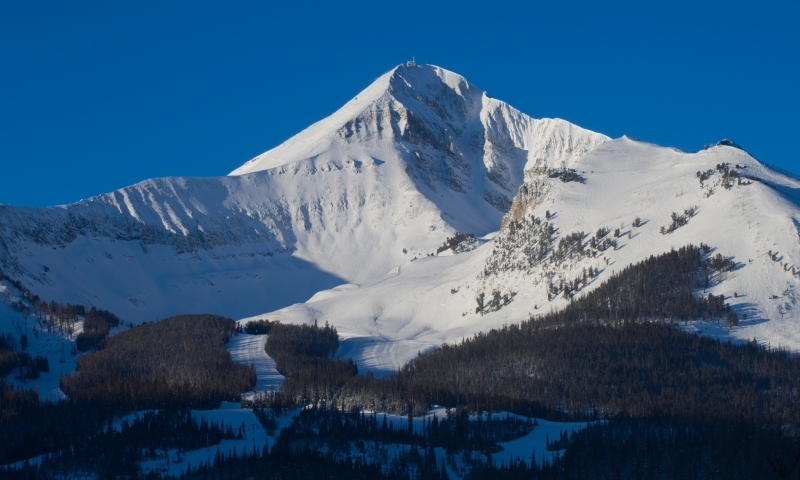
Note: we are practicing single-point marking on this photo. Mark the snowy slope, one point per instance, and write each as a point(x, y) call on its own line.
point(417, 155)
point(57, 347)
point(423, 304)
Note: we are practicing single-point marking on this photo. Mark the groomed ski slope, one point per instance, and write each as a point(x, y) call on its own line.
point(249, 350)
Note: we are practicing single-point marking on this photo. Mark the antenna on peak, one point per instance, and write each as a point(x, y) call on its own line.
point(411, 63)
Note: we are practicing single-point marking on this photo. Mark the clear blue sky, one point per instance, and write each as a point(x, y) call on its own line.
point(95, 96)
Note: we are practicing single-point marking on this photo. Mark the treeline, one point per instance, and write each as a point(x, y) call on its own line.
point(57, 316)
point(566, 175)
point(179, 362)
point(54, 316)
point(658, 288)
point(455, 242)
point(635, 369)
point(11, 359)
point(456, 432)
point(96, 326)
point(632, 449)
point(676, 405)
point(288, 341)
point(258, 327)
point(580, 371)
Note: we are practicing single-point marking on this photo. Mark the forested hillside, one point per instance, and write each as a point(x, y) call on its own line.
point(667, 403)
point(613, 351)
point(177, 362)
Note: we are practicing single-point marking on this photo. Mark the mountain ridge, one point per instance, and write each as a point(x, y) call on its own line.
point(339, 207)
point(721, 197)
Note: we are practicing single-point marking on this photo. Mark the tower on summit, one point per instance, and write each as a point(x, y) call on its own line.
point(411, 63)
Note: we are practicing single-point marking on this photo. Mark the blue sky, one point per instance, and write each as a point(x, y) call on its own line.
point(95, 96)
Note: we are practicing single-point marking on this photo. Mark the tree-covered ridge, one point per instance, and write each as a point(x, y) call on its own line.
point(658, 288)
point(635, 369)
point(677, 405)
point(179, 362)
point(302, 353)
point(613, 351)
point(96, 326)
point(304, 341)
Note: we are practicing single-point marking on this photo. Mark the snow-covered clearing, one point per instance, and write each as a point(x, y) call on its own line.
point(174, 462)
point(533, 446)
point(56, 347)
point(249, 350)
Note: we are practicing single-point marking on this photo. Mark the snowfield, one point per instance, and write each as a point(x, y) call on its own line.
point(431, 301)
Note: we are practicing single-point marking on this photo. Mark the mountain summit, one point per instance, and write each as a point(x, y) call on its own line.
point(428, 107)
point(450, 138)
point(418, 155)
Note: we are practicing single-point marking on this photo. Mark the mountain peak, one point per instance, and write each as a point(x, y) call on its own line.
point(429, 115)
point(424, 77)
point(419, 87)
point(417, 155)
point(725, 142)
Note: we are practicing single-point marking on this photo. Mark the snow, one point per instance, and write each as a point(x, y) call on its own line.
point(173, 462)
point(526, 448)
point(48, 345)
point(309, 229)
point(533, 446)
point(387, 321)
point(417, 155)
point(249, 350)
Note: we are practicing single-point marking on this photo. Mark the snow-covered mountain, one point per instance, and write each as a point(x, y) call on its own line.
point(416, 156)
point(345, 215)
point(721, 197)
point(354, 222)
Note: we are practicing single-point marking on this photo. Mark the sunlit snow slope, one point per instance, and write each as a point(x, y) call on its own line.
point(755, 221)
point(417, 155)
